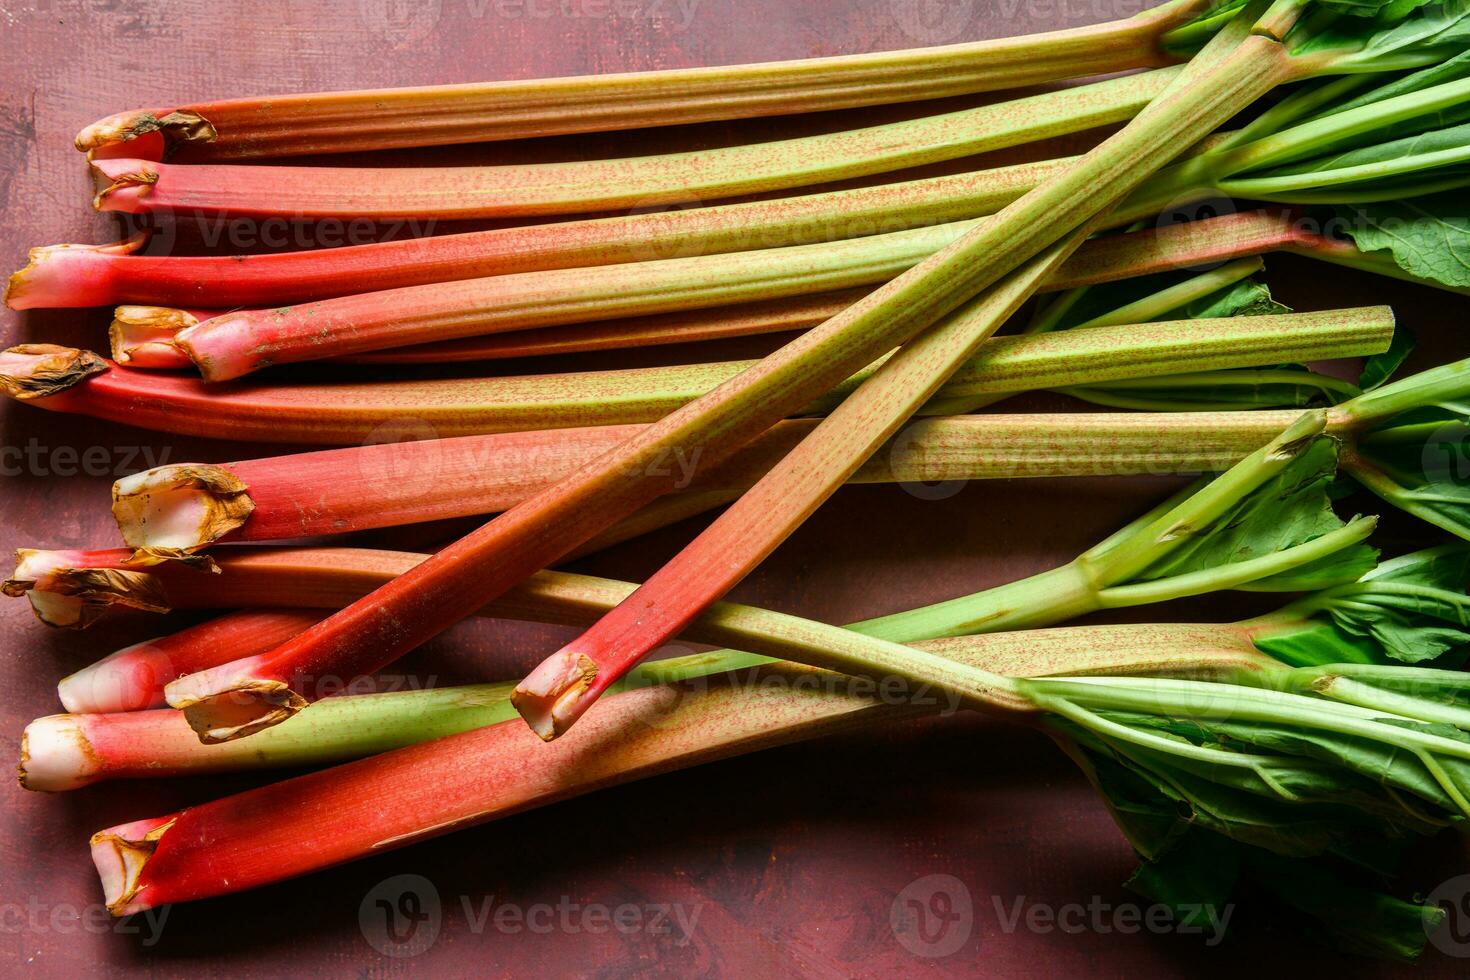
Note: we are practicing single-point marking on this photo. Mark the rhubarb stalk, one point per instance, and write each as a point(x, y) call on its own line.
point(451, 193)
point(67, 380)
point(1313, 646)
point(188, 506)
point(336, 122)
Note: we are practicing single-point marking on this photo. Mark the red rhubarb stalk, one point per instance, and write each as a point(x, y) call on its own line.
point(241, 341)
point(82, 275)
point(334, 122)
point(66, 752)
point(147, 187)
point(67, 380)
point(134, 677)
point(554, 695)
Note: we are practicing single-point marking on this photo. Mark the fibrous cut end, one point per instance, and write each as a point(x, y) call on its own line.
point(66, 592)
point(229, 702)
point(32, 371)
point(180, 507)
point(66, 275)
point(552, 697)
point(120, 854)
point(143, 336)
point(56, 756)
point(143, 133)
point(122, 183)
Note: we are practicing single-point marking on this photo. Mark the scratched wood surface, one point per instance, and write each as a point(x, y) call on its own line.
point(790, 862)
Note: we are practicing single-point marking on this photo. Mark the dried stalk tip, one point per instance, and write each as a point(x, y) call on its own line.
point(38, 370)
point(179, 126)
point(56, 756)
point(121, 182)
point(223, 712)
point(74, 598)
point(120, 853)
point(550, 697)
point(56, 275)
point(142, 336)
point(180, 508)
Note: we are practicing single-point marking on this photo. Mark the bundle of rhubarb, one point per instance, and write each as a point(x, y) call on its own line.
point(1291, 754)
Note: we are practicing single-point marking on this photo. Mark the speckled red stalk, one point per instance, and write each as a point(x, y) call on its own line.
point(134, 677)
point(239, 342)
point(67, 380)
point(332, 122)
point(775, 506)
point(83, 275)
point(188, 506)
point(578, 187)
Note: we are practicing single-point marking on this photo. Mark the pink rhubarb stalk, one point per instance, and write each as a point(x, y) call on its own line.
point(83, 275)
point(134, 677)
point(336, 122)
point(439, 322)
point(67, 380)
point(351, 193)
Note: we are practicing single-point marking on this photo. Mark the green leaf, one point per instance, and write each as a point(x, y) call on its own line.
point(1413, 609)
point(1290, 509)
point(1426, 236)
point(1397, 36)
point(1419, 461)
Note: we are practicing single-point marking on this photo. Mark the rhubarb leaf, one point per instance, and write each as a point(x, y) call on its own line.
point(1413, 609)
point(1290, 509)
point(1426, 236)
point(1419, 461)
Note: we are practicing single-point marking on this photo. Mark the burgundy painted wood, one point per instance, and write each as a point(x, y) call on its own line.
point(791, 861)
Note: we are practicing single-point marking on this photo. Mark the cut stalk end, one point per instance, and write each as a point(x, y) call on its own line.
point(56, 756)
point(229, 702)
point(144, 134)
point(122, 184)
point(69, 590)
point(67, 275)
point(143, 336)
point(553, 696)
point(112, 683)
point(179, 508)
point(37, 370)
point(120, 854)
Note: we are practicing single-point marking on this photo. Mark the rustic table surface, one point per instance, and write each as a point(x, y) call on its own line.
point(787, 862)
